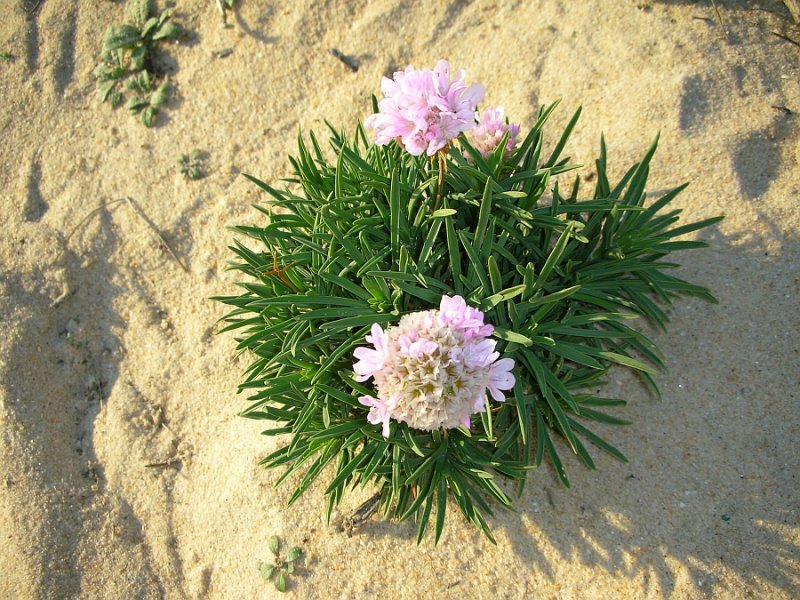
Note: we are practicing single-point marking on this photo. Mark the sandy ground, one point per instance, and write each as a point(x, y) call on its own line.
point(109, 362)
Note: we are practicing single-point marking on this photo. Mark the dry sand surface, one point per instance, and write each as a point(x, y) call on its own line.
point(109, 360)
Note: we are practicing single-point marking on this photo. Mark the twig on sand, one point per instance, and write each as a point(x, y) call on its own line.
point(784, 109)
point(152, 226)
point(135, 207)
point(83, 221)
point(172, 462)
point(719, 16)
point(786, 37)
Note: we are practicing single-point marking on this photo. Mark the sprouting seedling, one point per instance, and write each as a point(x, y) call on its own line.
point(280, 567)
point(146, 100)
point(6, 56)
point(191, 165)
point(127, 54)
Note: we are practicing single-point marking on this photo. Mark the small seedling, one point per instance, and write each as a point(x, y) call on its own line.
point(281, 567)
point(191, 165)
point(146, 100)
point(6, 56)
point(127, 56)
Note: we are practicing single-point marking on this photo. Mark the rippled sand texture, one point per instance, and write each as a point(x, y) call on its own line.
point(124, 470)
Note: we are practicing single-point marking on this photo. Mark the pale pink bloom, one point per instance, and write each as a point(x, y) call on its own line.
point(481, 354)
point(489, 132)
point(371, 359)
point(454, 311)
point(424, 109)
point(433, 368)
point(379, 412)
point(501, 378)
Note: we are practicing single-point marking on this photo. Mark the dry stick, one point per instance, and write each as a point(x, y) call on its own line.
point(719, 16)
point(787, 38)
point(83, 221)
point(138, 211)
point(152, 226)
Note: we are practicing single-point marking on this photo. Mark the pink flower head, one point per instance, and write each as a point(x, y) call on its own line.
point(425, 109)
point(489, 132)
point(433, 368)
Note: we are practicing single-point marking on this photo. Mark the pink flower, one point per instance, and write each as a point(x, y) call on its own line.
point(501, 378)
point(371, 360)
point(379, 411)
point(425, 109)
point(433, 369)
point(454, 311)
point(489, 132)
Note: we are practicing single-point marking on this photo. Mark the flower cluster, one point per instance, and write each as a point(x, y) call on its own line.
point(425, 109)
point(433, 369)
point(489, 132)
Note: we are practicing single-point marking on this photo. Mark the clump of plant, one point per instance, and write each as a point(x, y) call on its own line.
point(191, 165)
point(433, 312)
point(281, 567)
point(128, 58)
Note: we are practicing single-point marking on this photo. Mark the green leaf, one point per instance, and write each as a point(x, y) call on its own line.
point(168, 30)
point(265, 570)
point(628, 362)
point(512, 336)
point(120, 36)
point(274, 544)
point(149, 116)
point(104, 89)
point(115, 98)
point(483, 215)
point(294, 554)
point(149, 27)
point(161, 95)
point(138, 58)
point(280, 582)
point(139, 11)
point(136, 103)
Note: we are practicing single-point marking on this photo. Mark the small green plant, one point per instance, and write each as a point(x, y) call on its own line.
point(280, 567)
point(191, 165)
point(127, 57)
point(146, 100)
point(6, 56)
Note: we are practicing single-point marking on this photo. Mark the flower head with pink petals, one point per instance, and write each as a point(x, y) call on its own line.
point(433, 369)
point(425, 109)
point(489, 132)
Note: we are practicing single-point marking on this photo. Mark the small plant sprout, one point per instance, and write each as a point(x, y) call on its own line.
point(6, 56)
point(128, 56)
point(191, 165)
point(280, 567)
point(146, 100)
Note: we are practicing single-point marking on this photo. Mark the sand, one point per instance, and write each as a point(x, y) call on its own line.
point(124, 470)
